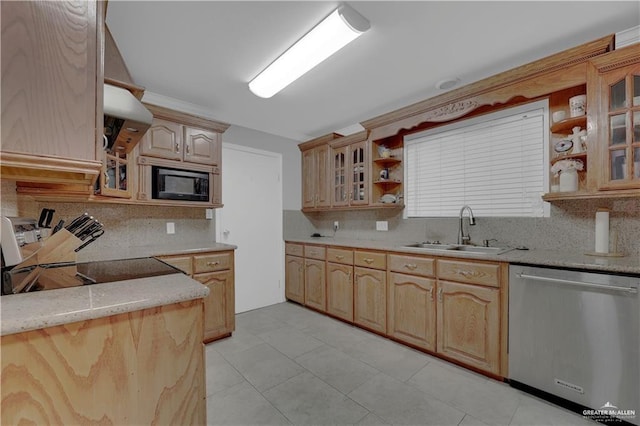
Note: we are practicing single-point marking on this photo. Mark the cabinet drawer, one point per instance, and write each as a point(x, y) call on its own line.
point(294, 249)
point(340, 256)
point(314, 252)
point(370, 259)
point(412, 265)
point(212, 262)
point(181, 262)
point(468, 272)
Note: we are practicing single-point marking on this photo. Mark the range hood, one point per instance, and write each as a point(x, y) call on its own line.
point(125, 119)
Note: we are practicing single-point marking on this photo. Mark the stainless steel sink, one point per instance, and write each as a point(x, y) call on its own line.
point(433, 246)
point(478, 249)
point(459, 248)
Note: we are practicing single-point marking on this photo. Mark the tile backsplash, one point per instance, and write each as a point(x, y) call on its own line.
point(125, 225)
point(571, 227)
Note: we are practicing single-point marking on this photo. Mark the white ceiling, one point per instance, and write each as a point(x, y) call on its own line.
point(206, 52)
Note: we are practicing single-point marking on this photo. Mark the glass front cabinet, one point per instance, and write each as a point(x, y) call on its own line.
point(618, 121)
point(349, 172)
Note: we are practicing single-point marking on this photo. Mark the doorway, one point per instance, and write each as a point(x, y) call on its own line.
point(251, 219)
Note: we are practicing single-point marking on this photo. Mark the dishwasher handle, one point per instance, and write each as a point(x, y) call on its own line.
point(631, 290)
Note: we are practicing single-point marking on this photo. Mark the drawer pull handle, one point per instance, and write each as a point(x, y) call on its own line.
point(431, 294)
point(465, 273)
point(339, 257)
point(410, 266)
point(368, 260)
point(440, 295)
point(177, 147)
point(216, 263)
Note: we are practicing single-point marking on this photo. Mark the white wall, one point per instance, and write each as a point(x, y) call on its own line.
point(291, 162)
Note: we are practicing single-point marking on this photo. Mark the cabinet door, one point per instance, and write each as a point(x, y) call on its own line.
point(340, 291)
point(116, 177)
point(308, 179)
point(370, 299)
point(49, 89)
point(620, 123)
point(322, 176)
point(163, 140)
point(201, 146)
point(359, 172)
point(314, 284)
point(294, 279)
point(219, 305)
point(469, 324)
point(339, 177)
point(412, 310)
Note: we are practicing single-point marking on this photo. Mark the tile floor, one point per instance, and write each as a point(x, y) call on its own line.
point(286, 365)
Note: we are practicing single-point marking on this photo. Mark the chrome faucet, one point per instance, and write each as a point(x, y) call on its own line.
point(462, 238)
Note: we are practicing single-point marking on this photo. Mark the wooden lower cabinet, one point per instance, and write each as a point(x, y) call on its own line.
point(294, 279)
point(219, 319)
point(469, 324)
point(340, 291)
point(215, 270)
point(142, 367)
point(451, 307)
point(370, 299)
point(314, 284)
point(412, 310)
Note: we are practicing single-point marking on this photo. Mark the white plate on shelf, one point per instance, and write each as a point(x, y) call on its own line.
point(388, 199)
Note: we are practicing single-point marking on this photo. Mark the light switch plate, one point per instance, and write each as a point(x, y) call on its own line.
point(208, 214)
point(171, 228)
point(382, 225)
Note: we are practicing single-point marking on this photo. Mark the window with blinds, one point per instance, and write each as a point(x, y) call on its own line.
point(497, 164)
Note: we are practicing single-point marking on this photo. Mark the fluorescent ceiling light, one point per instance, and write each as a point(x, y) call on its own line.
point(337, 30)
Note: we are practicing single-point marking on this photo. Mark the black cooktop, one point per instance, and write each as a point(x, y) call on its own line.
point(50, 277)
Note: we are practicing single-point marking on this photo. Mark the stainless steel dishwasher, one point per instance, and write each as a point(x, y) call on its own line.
point(574, 335)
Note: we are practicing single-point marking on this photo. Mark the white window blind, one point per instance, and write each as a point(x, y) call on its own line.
point(497, 164)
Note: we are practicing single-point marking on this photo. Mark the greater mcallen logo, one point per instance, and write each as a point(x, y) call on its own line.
point(609, 410)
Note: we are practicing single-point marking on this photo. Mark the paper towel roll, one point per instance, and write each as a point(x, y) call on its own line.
point(602, 231)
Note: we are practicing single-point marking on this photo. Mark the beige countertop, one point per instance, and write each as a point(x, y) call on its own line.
point(629, 264)
point(156, 250)
point(32, 311)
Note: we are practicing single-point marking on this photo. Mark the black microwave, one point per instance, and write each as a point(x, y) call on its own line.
point(176, 184)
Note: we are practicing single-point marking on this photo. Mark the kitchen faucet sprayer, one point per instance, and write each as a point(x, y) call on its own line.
point(462, 238)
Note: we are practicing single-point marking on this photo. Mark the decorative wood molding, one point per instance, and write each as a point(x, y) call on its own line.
point(187, 119)
point(322, 140)
point(484, 91)
point(40, 168)
point(617, 59)
point(348, 140)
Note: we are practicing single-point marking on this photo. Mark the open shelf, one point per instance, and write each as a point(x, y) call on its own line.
point(565, 126)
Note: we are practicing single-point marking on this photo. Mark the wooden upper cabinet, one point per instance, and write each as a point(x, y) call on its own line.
point(51, 102)
point(201, 146)
point(340, 187)
point(616, 79)
point(358, 168)
point(315, 177)
point(173, 141)
point(162, 140)
point(179, 136)
point(349, 173)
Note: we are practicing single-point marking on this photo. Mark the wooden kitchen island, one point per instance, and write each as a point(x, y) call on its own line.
point(127, 352)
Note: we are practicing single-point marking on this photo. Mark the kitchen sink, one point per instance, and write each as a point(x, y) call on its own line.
point(459, 248)
point(433, 246)
point(479, 249)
